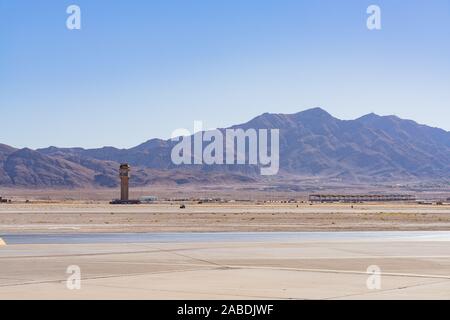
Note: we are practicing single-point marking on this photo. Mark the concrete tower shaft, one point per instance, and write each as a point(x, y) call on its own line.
point(124, 181)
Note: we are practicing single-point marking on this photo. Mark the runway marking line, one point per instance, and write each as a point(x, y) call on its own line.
point(351, 272)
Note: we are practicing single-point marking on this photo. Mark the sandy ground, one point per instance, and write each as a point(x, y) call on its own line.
point(416, 269)
point(168, 217)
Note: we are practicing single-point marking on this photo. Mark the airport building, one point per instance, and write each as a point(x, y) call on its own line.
point(148, 199)
point(124, 173)
point(2, 200)
point(361, 198)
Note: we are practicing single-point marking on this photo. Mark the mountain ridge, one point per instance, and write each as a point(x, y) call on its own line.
point(313, 143)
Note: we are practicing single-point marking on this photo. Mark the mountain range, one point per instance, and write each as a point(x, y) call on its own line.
point(313, 144)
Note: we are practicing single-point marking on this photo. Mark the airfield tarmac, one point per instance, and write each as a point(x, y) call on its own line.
point(226, 251)
point(414, 265)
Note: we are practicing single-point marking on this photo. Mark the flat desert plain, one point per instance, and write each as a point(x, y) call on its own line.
point(226, 217)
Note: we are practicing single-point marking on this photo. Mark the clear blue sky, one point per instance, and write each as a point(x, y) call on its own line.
point(141, 69)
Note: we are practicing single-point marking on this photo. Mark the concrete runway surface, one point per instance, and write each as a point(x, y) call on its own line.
point(324, 265)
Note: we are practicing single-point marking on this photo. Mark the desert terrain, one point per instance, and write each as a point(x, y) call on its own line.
point(220, 217)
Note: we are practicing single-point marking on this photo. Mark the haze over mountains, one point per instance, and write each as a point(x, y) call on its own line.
point(313, 144)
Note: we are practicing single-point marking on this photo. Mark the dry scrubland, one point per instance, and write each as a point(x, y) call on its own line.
point(227, 217)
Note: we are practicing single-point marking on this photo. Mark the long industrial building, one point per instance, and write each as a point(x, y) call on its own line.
point(361, 198)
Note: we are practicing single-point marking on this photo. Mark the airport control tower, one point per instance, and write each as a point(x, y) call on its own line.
point(124, 182)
